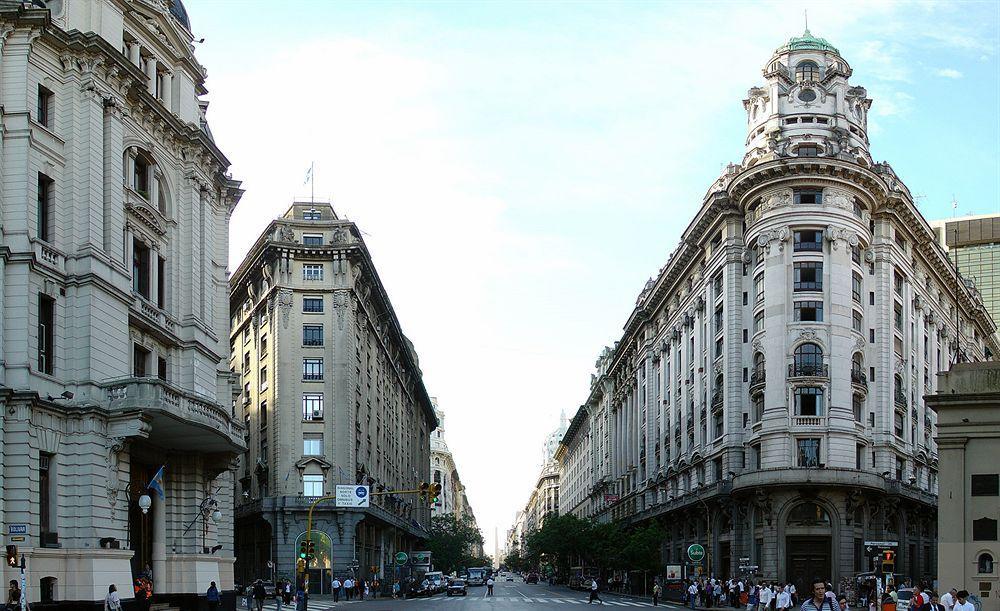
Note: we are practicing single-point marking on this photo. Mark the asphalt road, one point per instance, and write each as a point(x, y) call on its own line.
point(507, 596)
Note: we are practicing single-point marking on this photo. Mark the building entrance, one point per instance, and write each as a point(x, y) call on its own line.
point(807, 558)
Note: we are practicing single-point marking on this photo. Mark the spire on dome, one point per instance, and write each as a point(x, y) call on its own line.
point(807, 42)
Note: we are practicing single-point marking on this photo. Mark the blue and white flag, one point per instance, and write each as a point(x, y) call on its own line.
point(309, 175)
point(157, 483)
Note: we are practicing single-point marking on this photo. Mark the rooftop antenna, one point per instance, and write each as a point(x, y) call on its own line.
point(954, 206)
point(806, 12)
point(312, 182)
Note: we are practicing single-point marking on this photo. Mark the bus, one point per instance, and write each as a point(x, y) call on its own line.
point(580, 576)
point(477, 576)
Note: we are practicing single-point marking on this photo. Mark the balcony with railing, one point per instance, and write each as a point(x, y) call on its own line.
point(757, 378)
point(808, 370)
point(808, 421)
point(900, 397)
point(859, 377)
point(179, 419)
point(717, 398)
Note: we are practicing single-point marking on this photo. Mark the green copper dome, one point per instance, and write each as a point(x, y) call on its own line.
point(807, 42)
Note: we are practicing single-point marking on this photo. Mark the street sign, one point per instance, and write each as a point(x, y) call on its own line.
point(17, 529)
point(611, 498)
point(696, 552)
point(352, 496)
point(17, 539)
point(420, 558)
point(401, 558)
point(882, 543)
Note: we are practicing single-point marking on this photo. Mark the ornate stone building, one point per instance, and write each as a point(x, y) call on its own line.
point(332, 393)
point(453, 499)
point(766, 396)
point(114, 206)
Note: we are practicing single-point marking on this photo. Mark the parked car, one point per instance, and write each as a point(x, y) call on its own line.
point(438, 583)
point(510, 577)
point(531, 578)
point(904, 596)
point(457, 587)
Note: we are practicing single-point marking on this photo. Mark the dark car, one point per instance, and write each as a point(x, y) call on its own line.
point(531, 578)
point(457, 587)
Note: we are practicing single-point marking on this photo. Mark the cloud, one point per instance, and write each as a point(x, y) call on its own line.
point(948, 73)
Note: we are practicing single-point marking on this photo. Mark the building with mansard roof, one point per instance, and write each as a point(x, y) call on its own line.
point(115, 204)
point(765, 398)
point(332, 393)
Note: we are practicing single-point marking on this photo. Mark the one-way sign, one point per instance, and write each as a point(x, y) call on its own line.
point(352, 496)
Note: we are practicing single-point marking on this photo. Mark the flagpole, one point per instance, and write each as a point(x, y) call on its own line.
point(312, 183)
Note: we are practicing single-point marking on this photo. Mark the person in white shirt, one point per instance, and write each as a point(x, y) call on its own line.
point(765, 597)
point(963, 603)
point(692, 594)
point(948, 600)
point(784, 600)
point(791, 592)
point(593, 593)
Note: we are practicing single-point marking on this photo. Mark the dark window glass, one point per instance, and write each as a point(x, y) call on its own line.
point(808, 276)
point(46, 333)
point(808, 240)
point(44, 111)
point(312, 304)
point(985, 485)
point(312, 240)
point(139, 357)
point(808, 450)
point(856, 286)
point(312, 406)
point(161, 282)
point(312, 335)
point(44, 207)
point(44, 521)
point(809, 311)
point(806, 71)
point(984, 529)
point(311, 215)
point(140, 268)
point(807, 150)
point(312, 369)
point(161, 368)
point(808, 196)
point(809, 401)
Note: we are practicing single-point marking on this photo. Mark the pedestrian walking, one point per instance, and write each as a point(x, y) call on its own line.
point(489, 586)
point(395, 589)
point(842, 601)
point(949, 599)
point(963, 603)
point(300, 598)
point(793, 593)
point(287, 592)
point(717, 594)
point(593, 593)
point(783, 600)
point(112, 602)
point(657, 590)
point(259, 594)
point(936, 602)
point(376, 586)
point(766, 595)
point(692, 594)
point(335, 588)
point(820, 598)
point(348, 588)
point(212, 596)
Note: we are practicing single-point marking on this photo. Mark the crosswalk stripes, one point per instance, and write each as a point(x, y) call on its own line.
point(529, 600)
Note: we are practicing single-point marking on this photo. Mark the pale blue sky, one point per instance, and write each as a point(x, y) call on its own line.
point(522, 168)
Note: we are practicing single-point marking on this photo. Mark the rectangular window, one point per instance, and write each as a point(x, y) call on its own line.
point(900, 468)
point(856, 286)
point(262, 415)
point(758, 322)
point(871, 336)
point(312, 271)
point(46, 333)
point(871, 298)
point(312, 369)
point(809, 401)
point(984, 529)
point(808, 452)
point(311, 215)
point(44, 207)
point(897, 282)
point(807, 150)
point(856, 254)
point(717, 422)
point(161, 282)
point(140, 356)
point(745, 297)
point(44, 494)
point(312, 304)
point(857, 322)
point(312, 335)
point(808, 240)
point(312, 406)
point(898, 422)
point(758, 288)
point(859, 408)
point(859, 458)
point(898, 316)
point(808, 196)
point(140, 268)
point(757, 455)
point(986, 485)
point(757, 406)
point(717, 286)
point(718, 320)
point(263, 346)
point(312, 485)
point(718, 347)
point(43, 113)
point(161, 368)
point(809, 311)
point(312, 444)
point(312, 240)
point(263, 379)
point(808, 276)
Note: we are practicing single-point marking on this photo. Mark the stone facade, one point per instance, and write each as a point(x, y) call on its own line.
point(332, 393)
point(114, 205)
point(453, 498)
point(967, 404)
point(765, 398)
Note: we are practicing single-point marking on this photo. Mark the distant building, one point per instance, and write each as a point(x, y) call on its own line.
point(453, 499)
point(973, 245)
point(332, 393)
point(967, 404)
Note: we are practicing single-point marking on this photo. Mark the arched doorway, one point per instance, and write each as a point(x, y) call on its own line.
point(321, 565)
point(808, 545)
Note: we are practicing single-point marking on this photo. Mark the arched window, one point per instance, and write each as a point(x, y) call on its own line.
point(757, 375)
point(857, 362)
point(143, 177)
point(141, 168)
point(808, 514)
point(807, 71)
point(808, 360)
point(985, 564)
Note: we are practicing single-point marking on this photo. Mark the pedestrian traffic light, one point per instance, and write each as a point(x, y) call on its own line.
point(888, 561)
point(303, 550)
point(434, 490)
point(12, 555)
point(300, 564)
point(423, 488)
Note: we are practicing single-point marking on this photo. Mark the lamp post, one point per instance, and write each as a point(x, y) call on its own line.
point(708, 530)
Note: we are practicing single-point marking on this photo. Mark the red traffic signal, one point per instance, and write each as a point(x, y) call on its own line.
point(888, 556)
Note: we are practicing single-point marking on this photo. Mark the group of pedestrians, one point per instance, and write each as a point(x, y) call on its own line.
point(739, 594)
point(352, 589)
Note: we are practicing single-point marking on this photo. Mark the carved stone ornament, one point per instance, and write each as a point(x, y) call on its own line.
point(340, 303)
point(113, 445)
point(900, 368)
point(837, 234)
point(758, 346)
point(838, 199)
point(762, 501)
point(859, 343)
point(869, 256)
point(809, 334)
point(780, 235)
point(855, 499)
point(285, 234)
point(747, 256)
point(285, 300)
point(775, 199)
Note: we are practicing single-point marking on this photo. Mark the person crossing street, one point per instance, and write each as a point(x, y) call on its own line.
point(489, 586)
point(593, 593)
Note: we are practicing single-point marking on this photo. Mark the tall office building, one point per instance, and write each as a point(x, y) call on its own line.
point(332, 393)
point(766, 397)
point(114, 203)
point(973, 244)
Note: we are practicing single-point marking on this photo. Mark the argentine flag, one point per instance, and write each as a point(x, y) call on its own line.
point(157, 483)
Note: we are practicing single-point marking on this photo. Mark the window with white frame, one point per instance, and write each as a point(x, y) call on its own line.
point(312, 485)
point(312, 444)
point(312, 271)
point(312, 406)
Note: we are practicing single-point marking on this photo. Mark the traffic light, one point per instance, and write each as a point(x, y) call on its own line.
point(433, 492)
point(423, 489)
point(300, 565)
point(12, 555)
point(311, 549)
point(303, 550)
point(888, 562)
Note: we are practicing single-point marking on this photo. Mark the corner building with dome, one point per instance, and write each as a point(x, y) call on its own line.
point(766, 396)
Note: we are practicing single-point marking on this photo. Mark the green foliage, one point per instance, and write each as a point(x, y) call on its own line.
point(565, 541)
point(451, 543)
point(514, 562)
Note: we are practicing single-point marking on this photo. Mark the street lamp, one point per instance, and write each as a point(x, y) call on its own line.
point(145, 503)
point(708, 529)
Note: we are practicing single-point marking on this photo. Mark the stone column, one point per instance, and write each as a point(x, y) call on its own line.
point(154, 272)
point(129, 242)
point(154, 189)
point(133, 54)
point(165, 92)
point(151, 75)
